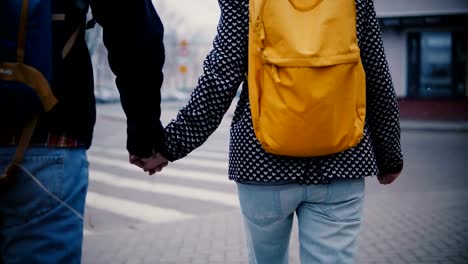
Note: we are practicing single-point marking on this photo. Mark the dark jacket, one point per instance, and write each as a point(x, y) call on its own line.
point(133, 36)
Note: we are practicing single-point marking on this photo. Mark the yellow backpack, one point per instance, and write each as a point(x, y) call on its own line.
point(306, 80)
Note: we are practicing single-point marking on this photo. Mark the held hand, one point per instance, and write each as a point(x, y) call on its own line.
point(388, 178)
point(151, 165)
point(154, 164)
point(135, 160)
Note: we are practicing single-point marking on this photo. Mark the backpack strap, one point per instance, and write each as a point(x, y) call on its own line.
point(303, 7)
point(6, 178)
point(259, 28)
point(71, 41)
point(22, 32)
point(20, 72)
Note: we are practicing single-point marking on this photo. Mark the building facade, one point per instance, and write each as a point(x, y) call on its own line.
point(426, 42)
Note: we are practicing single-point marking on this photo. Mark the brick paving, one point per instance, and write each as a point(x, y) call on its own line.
point(406, 228)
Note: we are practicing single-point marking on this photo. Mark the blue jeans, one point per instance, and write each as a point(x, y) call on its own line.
point(329, 218)
point(35, 227)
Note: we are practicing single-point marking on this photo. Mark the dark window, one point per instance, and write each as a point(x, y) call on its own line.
point(435, 69)
point(436, 64)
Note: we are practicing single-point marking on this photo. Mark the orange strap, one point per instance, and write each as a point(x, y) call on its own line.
point(20, 150)
point(28, 75)
point(22, 31)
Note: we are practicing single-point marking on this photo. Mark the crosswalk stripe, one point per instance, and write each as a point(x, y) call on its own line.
point(164, 188)
point(169, 171)
point(199, 153)
point(202, 163)
point(209, 155)
point(190, 161)
point(138, 211)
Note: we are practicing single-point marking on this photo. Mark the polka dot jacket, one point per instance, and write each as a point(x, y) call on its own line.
point(224, 70)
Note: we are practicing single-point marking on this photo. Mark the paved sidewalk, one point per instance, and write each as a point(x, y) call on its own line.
point(403, 228)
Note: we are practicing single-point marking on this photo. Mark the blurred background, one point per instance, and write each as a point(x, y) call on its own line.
point(190, 27)
point(190, 212)
point(425, 42)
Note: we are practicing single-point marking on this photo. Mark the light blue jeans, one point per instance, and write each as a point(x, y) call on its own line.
point(35, 227)
point(329, 218)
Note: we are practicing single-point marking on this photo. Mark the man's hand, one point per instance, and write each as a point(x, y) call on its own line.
point(152, 164)
point(388, 178)
point(135, 160)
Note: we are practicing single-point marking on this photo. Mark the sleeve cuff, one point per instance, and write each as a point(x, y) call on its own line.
point(391, 167)
point(165, 153)
point(143, 142)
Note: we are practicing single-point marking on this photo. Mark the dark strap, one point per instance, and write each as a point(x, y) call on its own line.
point(20, 150)
point(71, 41)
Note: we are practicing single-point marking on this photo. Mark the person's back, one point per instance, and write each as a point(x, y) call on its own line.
point(325, 191)
point(41, 222)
